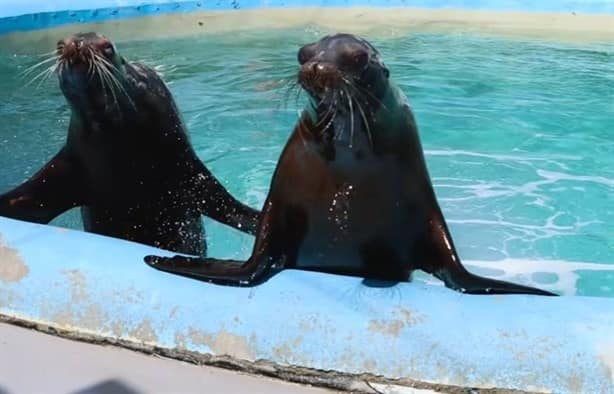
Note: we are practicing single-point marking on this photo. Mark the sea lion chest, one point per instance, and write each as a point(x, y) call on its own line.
point(121, 160)
point(351, 207)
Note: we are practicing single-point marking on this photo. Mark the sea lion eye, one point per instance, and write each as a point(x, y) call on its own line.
point(360, 59)
point(108, 50)
point(305, 54)
point(355, 60)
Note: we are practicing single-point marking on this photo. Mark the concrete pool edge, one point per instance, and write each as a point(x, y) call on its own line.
point(41, 14)
point(299, 324)
point(593, 31)
point(355, 383)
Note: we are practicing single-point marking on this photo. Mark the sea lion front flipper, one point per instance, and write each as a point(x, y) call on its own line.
point(54, 189)
point(222, 272)
point(441, 260)
point(228, 272)
point(218, 204)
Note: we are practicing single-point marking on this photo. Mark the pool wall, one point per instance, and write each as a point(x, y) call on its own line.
point(98, 287)
point(298, 324)
point(17, 15)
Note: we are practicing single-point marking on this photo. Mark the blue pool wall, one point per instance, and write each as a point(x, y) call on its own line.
point(98, 285)
point(17, 15)
point(86, 283)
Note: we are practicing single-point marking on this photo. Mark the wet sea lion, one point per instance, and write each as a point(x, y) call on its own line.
point(351, 193)
point(127, 160)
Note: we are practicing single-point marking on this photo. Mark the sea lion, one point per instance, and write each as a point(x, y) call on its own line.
point(127, 161)
point(351, 193)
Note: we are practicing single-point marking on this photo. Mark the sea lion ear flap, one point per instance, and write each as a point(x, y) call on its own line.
point(123, 60)
point(386, 71)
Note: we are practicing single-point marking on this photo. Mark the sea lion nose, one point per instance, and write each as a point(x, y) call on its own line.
point(321, 68)
point(78, 43)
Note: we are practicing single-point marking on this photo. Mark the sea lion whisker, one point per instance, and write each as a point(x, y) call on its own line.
point(360, 93)
point(325, 116)
point(289, 88)
point(32, 68)
point(54, 52)
point(90, 68)
point(47, 75)
point(297, 96)
point(106, 67)
point(38, 76)
point(120, 86)
point(105, 82)
point(366, 122)
point(112, 88)
point(365, 91)
point(350, 104)
point(330, 122)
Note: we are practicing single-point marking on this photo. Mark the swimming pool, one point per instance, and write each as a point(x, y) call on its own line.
point(511, 168)
point(515, 132)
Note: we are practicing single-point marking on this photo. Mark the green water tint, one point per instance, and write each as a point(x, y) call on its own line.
point(518, 138)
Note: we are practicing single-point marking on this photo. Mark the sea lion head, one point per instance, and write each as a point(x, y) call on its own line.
point(91, 70)
point(342, 69)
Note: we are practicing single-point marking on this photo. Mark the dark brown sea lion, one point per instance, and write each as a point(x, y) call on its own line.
point(127, 160)
point(351, 193)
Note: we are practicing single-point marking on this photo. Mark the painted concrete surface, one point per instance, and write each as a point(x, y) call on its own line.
point(101, 286)
point(20, 15)
point(31, 362)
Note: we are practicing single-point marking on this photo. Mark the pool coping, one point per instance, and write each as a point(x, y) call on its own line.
point(347, 382)
point(42, 15)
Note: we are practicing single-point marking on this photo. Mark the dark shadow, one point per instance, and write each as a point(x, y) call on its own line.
point(3, 391)
point(379, 284)
point(107, 387)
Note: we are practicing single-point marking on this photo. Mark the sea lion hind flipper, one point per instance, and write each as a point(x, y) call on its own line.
point(441, 260)
point(469, 283)
point(223, 272)
point(54, 189)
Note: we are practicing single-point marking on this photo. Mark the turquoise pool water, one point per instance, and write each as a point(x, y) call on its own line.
point(517, 134)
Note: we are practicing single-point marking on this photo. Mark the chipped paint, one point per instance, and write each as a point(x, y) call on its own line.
point(12, 267)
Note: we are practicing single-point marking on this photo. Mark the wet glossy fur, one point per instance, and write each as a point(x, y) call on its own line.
point(127, 160)
point(351, 193)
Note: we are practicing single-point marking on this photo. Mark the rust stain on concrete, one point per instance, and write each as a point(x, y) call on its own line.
point(7, 297)
point(180, 340)
point(78, 283)
point(287, 351)
point(393, 327)
point(144, 332)
point(223, 343)
point(606, 355)
point(12, 267)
